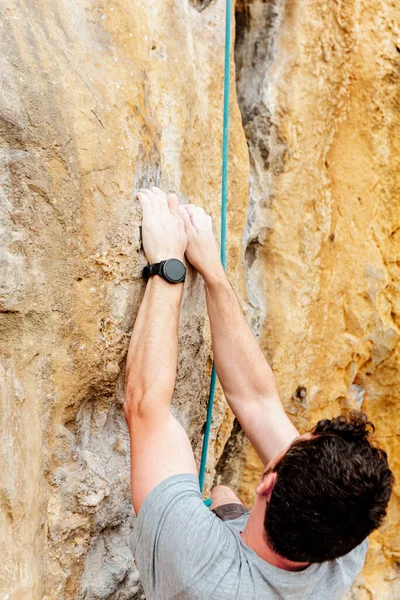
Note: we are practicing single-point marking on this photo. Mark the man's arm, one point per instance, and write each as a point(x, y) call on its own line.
point(159, 445)
point(246, 378)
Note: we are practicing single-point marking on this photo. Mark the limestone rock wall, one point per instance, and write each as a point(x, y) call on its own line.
point(98, 99)
point(318, 87)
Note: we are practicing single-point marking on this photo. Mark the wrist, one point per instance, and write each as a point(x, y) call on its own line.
point(214, 275)
point(172, 290)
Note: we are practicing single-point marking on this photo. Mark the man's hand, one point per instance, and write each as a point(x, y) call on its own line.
point(202, 249)
point(163, 229)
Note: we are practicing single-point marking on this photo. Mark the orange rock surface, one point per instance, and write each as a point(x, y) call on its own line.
point(98, 99)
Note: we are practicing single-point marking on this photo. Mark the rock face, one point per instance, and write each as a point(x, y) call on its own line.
point(318, 88)
point(98, 99)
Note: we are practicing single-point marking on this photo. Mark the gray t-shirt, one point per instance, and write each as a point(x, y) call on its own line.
point(185, 552)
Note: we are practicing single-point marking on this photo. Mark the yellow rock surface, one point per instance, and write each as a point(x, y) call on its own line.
point(98, 99)
point(320, 104)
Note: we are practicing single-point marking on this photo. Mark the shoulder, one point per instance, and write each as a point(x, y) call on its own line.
point(351, 564)
point(356, 557)
point(172, 489)
point(171, 517)
point(169, 504)
point(176, 537)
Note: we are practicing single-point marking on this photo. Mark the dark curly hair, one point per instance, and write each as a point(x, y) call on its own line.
point(331, 491)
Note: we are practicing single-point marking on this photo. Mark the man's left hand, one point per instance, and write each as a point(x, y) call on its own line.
point(163, 229)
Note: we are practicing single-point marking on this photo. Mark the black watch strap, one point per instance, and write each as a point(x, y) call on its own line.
point(154, 269)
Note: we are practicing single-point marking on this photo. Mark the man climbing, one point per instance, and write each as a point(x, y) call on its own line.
point(321, 494)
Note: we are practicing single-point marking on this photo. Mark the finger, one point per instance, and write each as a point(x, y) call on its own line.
point(144, 202)
point(173, 204)
point(193, 208)
point(157, 190)
point(190, 210)
point(154, 199)
point(183, 212)
point(186, 219)
point(195, 213)
point(161, 197)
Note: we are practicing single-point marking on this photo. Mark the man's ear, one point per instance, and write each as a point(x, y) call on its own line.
point(266, 485)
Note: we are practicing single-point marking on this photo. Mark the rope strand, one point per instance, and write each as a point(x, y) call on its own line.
point(224, 200)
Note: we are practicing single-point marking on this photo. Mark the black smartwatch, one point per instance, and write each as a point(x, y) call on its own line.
point(172, 270)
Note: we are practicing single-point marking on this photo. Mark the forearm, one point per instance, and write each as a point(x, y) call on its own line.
point(248, 382)
point(241, 366)
point(152, 356)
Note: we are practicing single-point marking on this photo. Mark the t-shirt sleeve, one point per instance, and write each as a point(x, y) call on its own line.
point(175, 538)
point(352, 563)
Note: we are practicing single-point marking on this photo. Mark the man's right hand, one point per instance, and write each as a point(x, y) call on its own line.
point(163, 233)
point(202, 250)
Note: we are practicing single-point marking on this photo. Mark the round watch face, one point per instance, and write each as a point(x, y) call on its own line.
point(174, 270)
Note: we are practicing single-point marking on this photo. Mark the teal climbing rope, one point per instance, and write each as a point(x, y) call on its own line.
point(224, 198)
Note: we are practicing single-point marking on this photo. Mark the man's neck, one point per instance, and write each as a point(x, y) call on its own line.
point(253, 536)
